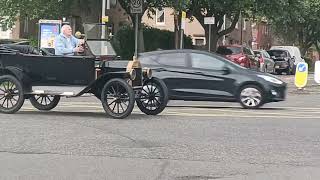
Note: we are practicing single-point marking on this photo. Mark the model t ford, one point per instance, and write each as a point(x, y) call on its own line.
point(44, 78)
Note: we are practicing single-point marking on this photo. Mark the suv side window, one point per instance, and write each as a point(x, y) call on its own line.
point(149, 60)
point(247, 51)
point(266, 55)
point(173, 59)
point(203, 61)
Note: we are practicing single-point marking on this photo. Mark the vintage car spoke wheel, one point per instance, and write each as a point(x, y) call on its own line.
point(117, 98)
point(153, 97)
point(11, 94)
point(44, 102)
point(251, 97)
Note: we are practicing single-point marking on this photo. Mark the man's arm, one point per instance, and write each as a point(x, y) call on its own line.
point(60, 48)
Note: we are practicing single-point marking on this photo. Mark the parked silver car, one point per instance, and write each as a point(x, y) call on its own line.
point(266, 63)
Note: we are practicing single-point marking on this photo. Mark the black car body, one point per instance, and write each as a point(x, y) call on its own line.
point(201, 76)
point(283, 61)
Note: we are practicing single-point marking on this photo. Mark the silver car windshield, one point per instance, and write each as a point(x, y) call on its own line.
point(97, 37)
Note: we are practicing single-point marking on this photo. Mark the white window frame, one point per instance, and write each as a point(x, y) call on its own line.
point(164, 17)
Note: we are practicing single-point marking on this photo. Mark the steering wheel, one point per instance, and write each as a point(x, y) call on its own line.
point(85, 47)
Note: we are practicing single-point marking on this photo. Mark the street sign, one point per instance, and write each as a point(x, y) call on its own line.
point(209, 20)
point(136, 6)
point(317, 72)
point(301, 77)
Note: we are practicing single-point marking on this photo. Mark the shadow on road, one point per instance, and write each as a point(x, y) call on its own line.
point(225, 107)
point(85, 114)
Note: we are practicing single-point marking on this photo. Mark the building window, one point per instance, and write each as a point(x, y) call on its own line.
point(160, 14)
point(199, 42)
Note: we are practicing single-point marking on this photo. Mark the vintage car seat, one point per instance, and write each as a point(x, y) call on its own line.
point(24, 49)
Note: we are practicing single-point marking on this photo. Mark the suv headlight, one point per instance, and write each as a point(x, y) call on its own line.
point(271, 79)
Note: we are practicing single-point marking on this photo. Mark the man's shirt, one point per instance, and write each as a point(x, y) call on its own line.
point(64, 46)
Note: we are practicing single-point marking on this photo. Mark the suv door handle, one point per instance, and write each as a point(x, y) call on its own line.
point(199, 73)
point(159, 69)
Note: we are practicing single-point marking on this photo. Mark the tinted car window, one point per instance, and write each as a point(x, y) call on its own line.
point(278, 53)
point(151, 60)
point(228, 50)
point(173, 59)
point(206, 62)
point(266, 55)
point(247, 51)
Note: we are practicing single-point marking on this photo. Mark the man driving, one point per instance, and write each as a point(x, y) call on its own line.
point(66, 44)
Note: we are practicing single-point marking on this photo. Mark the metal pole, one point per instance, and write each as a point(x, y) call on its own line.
point(224, 28)
point(241, 38)
point(103, 35)
point(209, 49)
point(181, 39)
point(136, 36)
point(108, 4)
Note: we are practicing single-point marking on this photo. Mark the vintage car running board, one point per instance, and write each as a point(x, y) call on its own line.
point(68, 91)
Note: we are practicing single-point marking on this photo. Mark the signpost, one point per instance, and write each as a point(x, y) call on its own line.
point(183, 27)
point(317, 72)
point(136, 8)
point(301, 77)
point(210, 21)
point(48, 30)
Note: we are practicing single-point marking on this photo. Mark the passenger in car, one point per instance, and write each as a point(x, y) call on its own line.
point(66, 44)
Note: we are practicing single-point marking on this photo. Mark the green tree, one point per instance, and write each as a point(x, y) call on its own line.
point(45, 9)
point(219, 9)
point(296, 21)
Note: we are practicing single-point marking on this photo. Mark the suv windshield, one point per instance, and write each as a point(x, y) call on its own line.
point(228, 50)
point(98, 41)
point(278, 53)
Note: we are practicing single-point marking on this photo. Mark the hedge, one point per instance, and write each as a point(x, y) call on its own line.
point(154, 39)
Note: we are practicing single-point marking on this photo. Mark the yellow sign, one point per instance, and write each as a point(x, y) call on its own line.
point(184, 15)
point(183, 20)
point(301, 77)
point(105, 19)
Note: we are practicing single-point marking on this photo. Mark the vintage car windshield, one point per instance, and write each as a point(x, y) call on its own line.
point(98, 41)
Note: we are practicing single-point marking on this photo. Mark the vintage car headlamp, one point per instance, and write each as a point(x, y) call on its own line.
point(133, 74)
point(147, 73)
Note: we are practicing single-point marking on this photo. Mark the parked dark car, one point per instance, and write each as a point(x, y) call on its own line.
point(266, 63)
point(202, 76)
point(283, 61)
point(241, 55)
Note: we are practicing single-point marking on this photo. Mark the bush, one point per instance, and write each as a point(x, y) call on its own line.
point(310, 63)
point(123, 41)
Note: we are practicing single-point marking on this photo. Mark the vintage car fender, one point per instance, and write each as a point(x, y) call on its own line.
point(17, 73)
point(102, 80)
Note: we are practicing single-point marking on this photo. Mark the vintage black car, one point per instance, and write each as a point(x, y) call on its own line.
point(45, 78)
point(192, 75)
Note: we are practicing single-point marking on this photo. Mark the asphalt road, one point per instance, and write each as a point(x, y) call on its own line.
point(188, 141)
